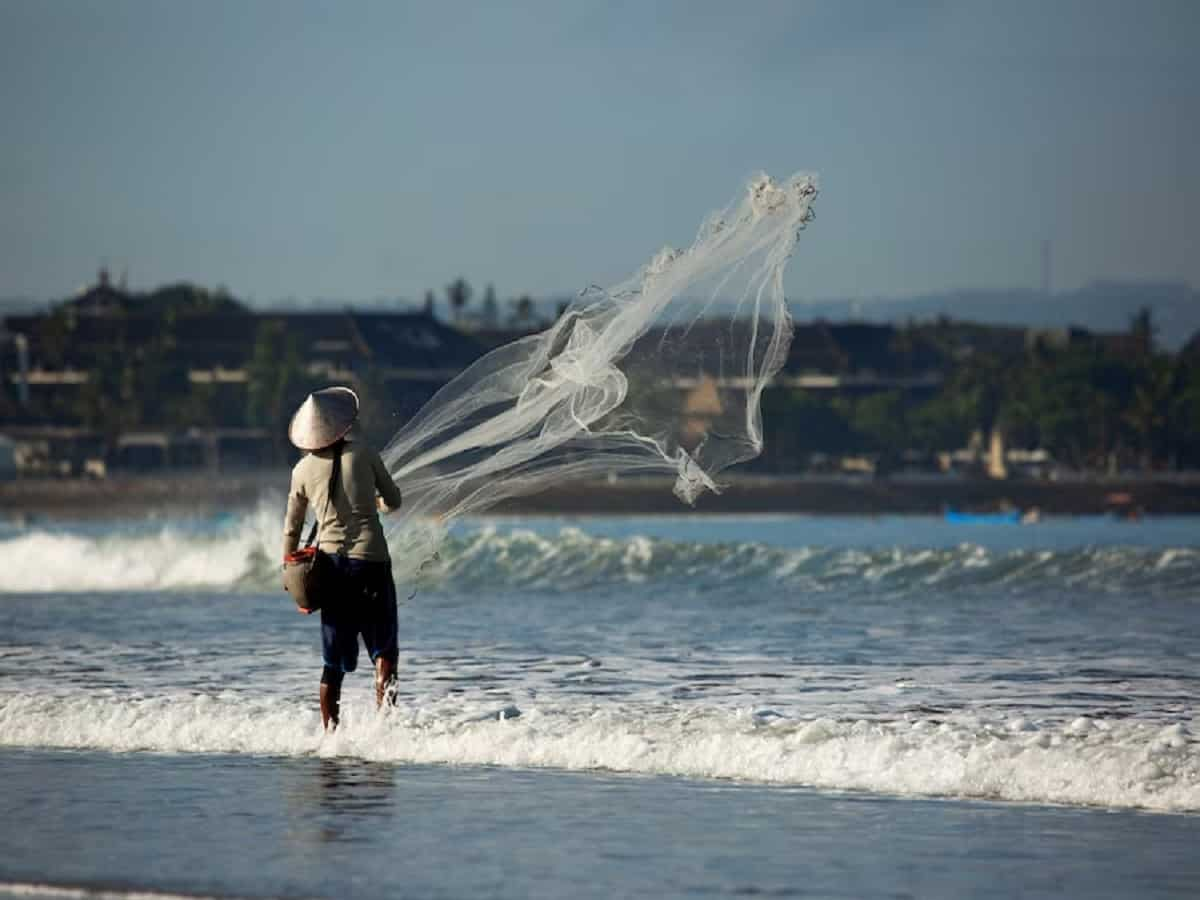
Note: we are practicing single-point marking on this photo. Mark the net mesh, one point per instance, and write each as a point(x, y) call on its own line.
point(660, 374)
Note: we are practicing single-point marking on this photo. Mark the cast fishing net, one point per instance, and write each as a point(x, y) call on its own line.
point(660, 374)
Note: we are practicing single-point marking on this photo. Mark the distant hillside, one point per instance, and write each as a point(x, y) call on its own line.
point(1103, 306)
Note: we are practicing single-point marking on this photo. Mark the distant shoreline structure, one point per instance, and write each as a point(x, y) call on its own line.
point(192, 495)
point(186, 379)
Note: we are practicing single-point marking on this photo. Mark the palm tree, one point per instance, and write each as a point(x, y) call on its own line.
point(524, 310)
point(1150, 405)
point(458, 295)
point(491, 309)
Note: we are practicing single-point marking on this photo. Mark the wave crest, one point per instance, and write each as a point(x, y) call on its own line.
point(238, 556)
point(1086, 761)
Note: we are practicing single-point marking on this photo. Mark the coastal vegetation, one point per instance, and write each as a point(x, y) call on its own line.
point(183, 357)
point(1087, 407)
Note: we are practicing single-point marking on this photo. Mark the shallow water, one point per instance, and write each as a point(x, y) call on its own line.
point(902, 657)
point(253, 826)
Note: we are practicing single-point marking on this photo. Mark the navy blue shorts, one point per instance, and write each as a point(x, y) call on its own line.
point(368, 607)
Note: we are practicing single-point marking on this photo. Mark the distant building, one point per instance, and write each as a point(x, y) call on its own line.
point(701, 405)
point(54, 450)
point(202, 348)
point(1127, 346)
point(223, 378)
point(409, 353)
point(1191, 350)
point(8, 458)
point(862, 357)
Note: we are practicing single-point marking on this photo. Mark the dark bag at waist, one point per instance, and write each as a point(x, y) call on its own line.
point(310, 574)
point(311, 577)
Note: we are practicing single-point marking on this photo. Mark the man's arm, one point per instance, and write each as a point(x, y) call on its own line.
point(293, 521)
point(389, 493)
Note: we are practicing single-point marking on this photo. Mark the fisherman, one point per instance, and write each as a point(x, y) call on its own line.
point(350, 531)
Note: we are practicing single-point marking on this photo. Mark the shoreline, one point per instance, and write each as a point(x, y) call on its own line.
point(205, 495)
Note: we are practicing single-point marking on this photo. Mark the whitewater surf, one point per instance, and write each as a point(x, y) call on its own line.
point(1043, 665)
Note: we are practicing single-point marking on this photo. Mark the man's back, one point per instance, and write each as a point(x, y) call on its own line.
point(350, 524)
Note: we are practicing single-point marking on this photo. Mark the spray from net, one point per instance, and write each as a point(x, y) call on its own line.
point(660, 374)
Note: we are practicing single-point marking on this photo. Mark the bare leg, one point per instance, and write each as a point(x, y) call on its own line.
point(331, 694)
point(385, 680)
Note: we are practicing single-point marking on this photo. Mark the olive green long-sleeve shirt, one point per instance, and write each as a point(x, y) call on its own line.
point(351, 523)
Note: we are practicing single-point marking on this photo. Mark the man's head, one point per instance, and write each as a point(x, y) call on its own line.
point(324, 418)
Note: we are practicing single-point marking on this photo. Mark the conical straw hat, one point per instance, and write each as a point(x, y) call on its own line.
point(324, 418)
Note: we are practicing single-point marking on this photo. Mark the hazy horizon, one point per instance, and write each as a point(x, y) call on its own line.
point(1100, 306)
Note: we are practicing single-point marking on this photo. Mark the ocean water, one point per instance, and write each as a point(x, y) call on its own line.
point(787, 705)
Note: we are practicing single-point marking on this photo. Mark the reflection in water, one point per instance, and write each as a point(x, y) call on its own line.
point(333, 799)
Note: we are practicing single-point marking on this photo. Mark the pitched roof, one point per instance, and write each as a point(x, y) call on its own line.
point(227, 339)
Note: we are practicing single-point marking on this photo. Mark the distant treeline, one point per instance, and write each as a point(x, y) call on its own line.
point(1092, 403)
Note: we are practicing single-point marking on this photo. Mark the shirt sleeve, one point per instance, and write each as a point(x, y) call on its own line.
point(293, 521)
point(384, 484)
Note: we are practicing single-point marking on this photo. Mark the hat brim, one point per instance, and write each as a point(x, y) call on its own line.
point(324, 418)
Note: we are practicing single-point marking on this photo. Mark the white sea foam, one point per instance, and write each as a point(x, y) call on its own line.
point(240, 554)
point(1085, 761)
point(172, 557)
point(46, 891)
point(165, 561)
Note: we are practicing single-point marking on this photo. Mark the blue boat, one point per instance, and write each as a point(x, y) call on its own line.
point(1008, 517)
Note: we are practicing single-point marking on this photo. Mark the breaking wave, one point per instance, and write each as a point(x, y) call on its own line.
point(239, 557)
point(47, 891)
point(523, 558)
point(1093, 762)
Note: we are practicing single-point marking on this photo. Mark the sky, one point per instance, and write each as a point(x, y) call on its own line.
point(357, 151)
